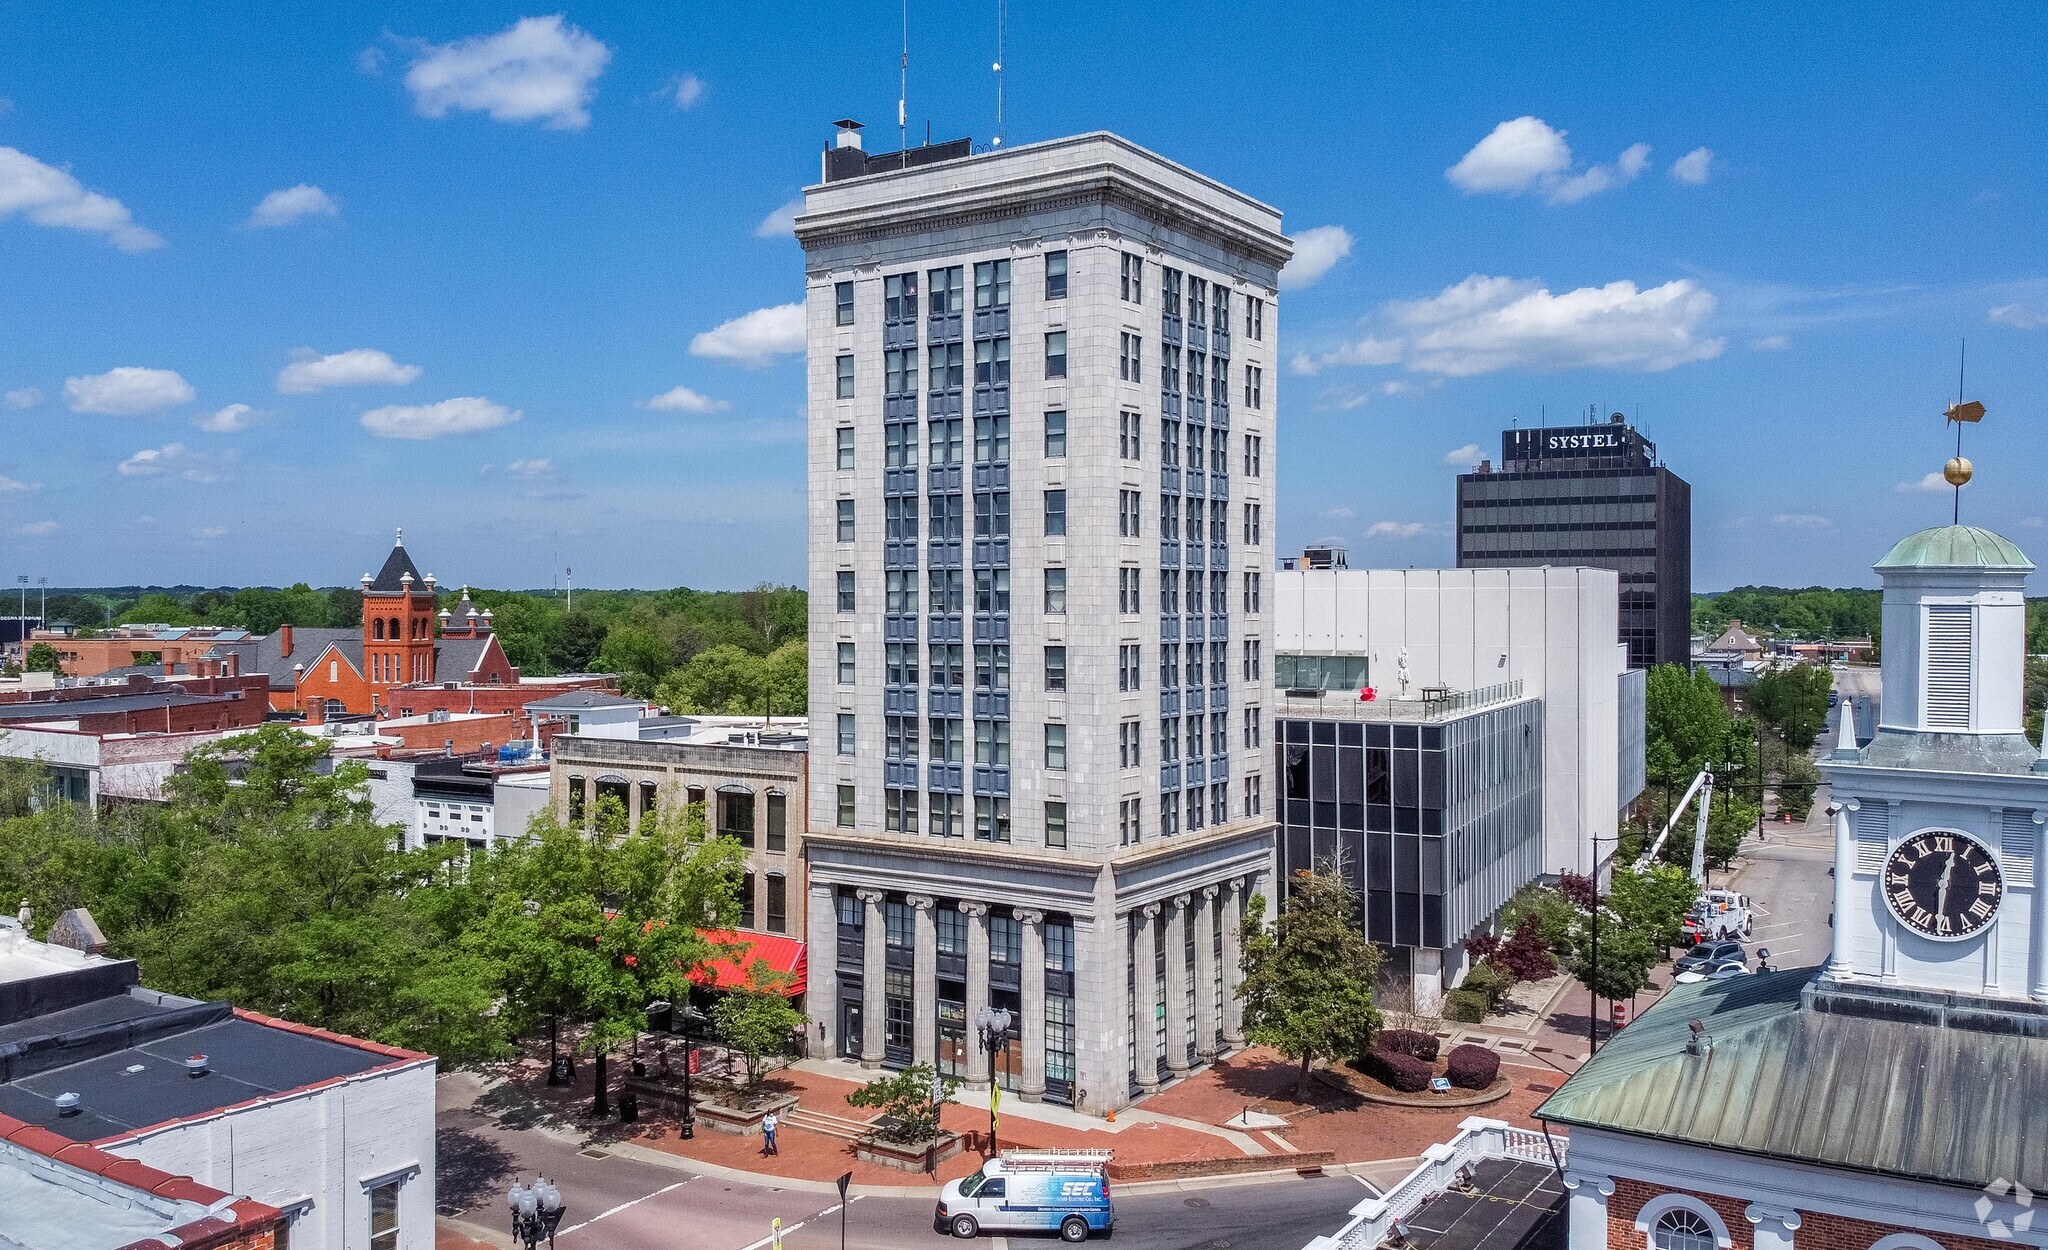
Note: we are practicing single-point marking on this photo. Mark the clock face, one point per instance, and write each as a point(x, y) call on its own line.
point(1942, 884)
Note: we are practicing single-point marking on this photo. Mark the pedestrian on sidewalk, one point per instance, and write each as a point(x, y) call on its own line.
point(768, 1126)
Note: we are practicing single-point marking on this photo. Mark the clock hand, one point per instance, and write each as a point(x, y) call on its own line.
point(1941, 893)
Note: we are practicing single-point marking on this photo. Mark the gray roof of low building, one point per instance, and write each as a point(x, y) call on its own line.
point(583, 700)
point(124, 1056)
point(66, 709)
point(1876, 1091)
point(264, 653)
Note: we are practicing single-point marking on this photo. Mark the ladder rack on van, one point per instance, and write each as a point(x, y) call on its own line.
point(1055, 1160)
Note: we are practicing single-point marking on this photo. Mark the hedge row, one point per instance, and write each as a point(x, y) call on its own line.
point(1400, 1072)
point(1411, 1042)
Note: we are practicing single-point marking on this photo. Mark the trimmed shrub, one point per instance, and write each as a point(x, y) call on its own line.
point(1411, 1042)
point(1490, 981)
point(1405, 1073)
point(1465, 1006)
point(1473, 1067)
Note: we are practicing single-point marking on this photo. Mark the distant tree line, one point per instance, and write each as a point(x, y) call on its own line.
point(1814, 612)
point(695, 650)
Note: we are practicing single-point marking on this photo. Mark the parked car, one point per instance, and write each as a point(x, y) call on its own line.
point(1708, 955)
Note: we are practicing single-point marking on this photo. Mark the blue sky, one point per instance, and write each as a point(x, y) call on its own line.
point(242, 248)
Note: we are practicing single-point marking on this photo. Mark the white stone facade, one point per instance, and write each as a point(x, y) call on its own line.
point(1092, 200)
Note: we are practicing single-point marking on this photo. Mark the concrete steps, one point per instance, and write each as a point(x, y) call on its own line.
point(828, 1125)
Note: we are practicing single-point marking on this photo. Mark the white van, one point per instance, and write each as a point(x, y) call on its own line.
point(1031, 1190)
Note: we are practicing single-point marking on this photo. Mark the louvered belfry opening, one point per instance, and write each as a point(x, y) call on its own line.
point(1948, 651)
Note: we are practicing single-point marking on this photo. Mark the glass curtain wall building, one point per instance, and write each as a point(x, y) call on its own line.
point(1595, 496)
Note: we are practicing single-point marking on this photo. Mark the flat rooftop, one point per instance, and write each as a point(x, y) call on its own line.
point(1512, 1205)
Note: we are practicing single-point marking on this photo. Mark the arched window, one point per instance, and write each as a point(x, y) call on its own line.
point(1681, 1228)
point(377, 629)
point(391, 629)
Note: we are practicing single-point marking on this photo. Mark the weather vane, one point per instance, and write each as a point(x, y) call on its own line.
point(1958, 470)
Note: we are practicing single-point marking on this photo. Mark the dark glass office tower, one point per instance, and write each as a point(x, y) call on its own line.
point(1592, 495)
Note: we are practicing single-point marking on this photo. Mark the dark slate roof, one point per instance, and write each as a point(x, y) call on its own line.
point(1893, 1096)
point(456, 658)
point(264, 653)
point(66, 709)
point(390, 579)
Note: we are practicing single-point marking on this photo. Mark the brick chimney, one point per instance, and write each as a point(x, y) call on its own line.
point(284, 639)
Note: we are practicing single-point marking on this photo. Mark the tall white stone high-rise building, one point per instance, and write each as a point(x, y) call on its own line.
point(1042, 457)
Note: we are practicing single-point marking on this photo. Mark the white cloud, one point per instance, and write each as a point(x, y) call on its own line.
point(688, 90)
point(780, 224)
point(49, 196)
point(1483, 325)
point(232, 419)
point(127, 391)
point(360, 366)
point(538, 69)
point(176, 460)
point(1694, 168)
point(1770, 343)
point(531, 468)
point(1526, 156)
point(14, 486)
point(1463, 457)
point(466, 415)
point(2030, 523)
point(282, 208)
point(755, 339)
point(1366, 351)
point(683, 399)
point(2018, 316)
point(37, 529)
point(1316, 250)
point(26, 397)
point(1336, 514)
point(1396, 529)
point(1341, 399)
point(1802, 520)
point(211, 531)
point(1932, 484)
point(370, 61)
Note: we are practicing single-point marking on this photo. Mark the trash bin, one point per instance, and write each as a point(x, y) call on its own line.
point(564, 1071)
point(629, 1107)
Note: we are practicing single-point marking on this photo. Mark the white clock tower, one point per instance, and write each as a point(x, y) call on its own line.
point(1939, 821)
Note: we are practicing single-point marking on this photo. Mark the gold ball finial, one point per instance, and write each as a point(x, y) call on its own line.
point(1957, 471)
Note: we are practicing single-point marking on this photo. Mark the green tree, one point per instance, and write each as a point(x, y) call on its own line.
point(909, 1101)
point(574, 649)
point(595, 926)
point(80, 610)
point(725, 679)
point(755, 1022)
point(43, 658)
point(637, 653)
point(1308, 980)
point(1796, 783)
point(158, 609)
point(1731, 821)
point(787, 673)
point(1794, 701)
point(1687, 724)
point(1654, 900)
point(345, 608)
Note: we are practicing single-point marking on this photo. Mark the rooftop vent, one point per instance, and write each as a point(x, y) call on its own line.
point(849, 133)
point(195, 1066)
point(67, 1103)
point(1700, 1042)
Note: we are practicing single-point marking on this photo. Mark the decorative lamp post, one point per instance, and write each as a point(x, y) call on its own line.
point(536, 1211)
point(691, 1018)
point(992, 1025)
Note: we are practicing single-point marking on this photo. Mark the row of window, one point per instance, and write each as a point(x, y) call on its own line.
point(992, 517)
point(1217, 305)
point(1205, 300)
point(992, 665)
point(946, 369)
point(947, 443)
point(945, 815)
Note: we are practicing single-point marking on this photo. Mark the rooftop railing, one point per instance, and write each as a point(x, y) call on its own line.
point(1374, 1220)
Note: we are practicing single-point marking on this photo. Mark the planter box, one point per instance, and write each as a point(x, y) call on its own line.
point(906, 1158)
point(717, 1115)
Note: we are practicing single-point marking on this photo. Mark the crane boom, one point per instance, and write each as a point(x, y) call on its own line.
point(1702, 785)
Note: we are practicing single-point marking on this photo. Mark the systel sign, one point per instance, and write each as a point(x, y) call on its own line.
point(1564, 442)
point(1583, 442)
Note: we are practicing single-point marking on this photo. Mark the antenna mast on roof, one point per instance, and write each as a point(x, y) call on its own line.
point(903, 88)
point(1002, 33)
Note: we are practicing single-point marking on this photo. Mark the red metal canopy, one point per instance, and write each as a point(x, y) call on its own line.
point(745, 955)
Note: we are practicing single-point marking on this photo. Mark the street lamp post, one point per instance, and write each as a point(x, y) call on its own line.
point(691, 1017)
point(536, 1211)
point(992, 1025)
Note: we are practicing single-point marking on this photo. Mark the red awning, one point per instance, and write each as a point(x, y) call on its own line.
point(747, 952)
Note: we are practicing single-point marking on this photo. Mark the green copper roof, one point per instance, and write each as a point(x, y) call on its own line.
point(1954, 547)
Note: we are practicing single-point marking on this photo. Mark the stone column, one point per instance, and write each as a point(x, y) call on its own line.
point(821, 986)
point(1586, 1210)
point(2038, 931)
point(977, 991)
point(632, 806)
point(1845, 880)
point(1031, 1029)
point(924, 983)
point(874, 969)
point(1233, 962)
point(1205, 973)
point(1144, 954)
point(1774, 1226)
point(1177, 985)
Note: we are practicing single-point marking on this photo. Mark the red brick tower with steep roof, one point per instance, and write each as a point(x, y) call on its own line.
point(398, 625)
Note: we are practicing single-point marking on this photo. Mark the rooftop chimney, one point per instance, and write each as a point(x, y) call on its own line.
point(849, 133)
point(284, 639)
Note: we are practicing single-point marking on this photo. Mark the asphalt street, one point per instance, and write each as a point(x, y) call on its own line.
point(619, 1202)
